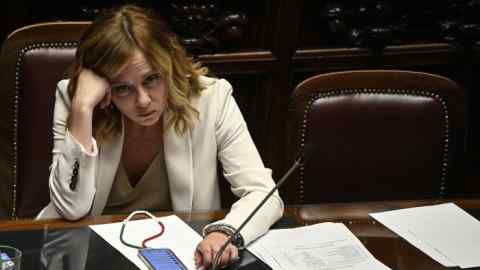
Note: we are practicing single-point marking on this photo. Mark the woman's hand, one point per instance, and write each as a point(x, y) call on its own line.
point(92, 90)
point(208, 248)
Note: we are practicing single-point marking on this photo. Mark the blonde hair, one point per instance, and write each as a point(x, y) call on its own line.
point(112, 40)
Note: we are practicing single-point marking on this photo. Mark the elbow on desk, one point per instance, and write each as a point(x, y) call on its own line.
point(68, 204)
point(72, 213)
point(70, 210)
point(74, 216)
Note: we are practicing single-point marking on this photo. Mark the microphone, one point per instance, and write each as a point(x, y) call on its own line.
point(302, 158)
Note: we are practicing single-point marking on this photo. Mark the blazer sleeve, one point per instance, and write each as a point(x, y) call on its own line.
point(72, 173)
point(244, 169)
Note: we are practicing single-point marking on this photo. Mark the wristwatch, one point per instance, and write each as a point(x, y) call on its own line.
point(226, 229)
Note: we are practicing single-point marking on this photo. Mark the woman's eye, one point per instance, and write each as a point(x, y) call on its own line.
point(121, 90)
point(151, 80)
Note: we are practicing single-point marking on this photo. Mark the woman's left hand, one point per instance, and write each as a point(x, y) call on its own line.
point(208, 248)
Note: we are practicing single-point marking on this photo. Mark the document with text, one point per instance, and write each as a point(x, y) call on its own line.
point(178, 236)
point(445, 232)
point(319, 246)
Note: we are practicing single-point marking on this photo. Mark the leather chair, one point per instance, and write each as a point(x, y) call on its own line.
point(33, 59)
point(380, 135)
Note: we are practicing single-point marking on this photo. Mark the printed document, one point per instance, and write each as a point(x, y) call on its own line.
point(320, 246)
point(445, 232)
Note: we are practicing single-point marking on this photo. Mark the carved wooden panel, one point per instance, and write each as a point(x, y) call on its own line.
point(375, 24)
point(220, 26)
point(204, 26)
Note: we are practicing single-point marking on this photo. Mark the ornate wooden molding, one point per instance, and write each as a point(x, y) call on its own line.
point(203, 27)
point(363, 24)
point(375, 24)
point(392, 56)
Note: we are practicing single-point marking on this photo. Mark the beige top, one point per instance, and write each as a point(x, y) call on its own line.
point(151, 192)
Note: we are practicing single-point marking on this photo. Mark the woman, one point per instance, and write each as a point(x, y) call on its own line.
point(138, 125)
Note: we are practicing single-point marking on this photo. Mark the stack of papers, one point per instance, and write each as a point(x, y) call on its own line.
point(178, 236)
point(320, 246)
point(444, 232)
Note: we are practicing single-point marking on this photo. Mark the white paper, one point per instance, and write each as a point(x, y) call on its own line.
point(320, 246)
point(397, 221)
point(178, 236)
point(445, 232)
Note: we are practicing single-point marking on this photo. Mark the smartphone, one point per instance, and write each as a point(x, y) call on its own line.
point(161, 259)
point(5, 262)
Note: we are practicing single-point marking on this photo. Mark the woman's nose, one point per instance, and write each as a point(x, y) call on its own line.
point(143, 98)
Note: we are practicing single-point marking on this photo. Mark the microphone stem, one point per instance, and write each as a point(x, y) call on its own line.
point(237, 231)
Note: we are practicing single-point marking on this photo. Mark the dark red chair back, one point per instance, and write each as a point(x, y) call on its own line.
point(33, 60)
point(381, 135)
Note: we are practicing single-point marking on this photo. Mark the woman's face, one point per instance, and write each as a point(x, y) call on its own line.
point(139, 91)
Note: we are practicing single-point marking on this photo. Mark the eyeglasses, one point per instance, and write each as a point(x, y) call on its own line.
point(144, 242)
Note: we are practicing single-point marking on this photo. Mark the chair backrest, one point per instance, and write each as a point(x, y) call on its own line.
point(380, 135)
point(33, 59)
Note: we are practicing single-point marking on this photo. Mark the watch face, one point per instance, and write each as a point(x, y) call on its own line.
point(238, 241)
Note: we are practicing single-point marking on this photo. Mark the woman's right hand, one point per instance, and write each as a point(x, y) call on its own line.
point(92, 90)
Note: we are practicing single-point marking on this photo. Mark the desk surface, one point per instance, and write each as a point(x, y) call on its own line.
point(57, 238)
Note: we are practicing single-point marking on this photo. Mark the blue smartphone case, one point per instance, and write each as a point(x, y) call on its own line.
point(161, 259)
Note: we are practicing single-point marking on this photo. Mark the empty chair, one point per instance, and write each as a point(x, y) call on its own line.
point(380, 135)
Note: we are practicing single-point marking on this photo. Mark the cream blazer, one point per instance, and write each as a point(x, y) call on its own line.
point(191, 161)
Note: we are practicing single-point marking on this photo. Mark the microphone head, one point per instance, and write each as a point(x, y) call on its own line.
point(308, 150)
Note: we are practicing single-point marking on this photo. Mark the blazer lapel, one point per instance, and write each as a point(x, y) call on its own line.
point(179, 164)
point(109, 157)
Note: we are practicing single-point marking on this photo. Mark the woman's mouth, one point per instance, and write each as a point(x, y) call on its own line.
point(146, 114)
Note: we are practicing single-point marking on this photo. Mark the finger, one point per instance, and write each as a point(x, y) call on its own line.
point(109, 96)
point(105, 100)
point(198, 259)
point(221, 259)
point(102, 104)
point(230, 256)
point(226, 256)
point(207, 255)
point(215, 250)
point(234, 254)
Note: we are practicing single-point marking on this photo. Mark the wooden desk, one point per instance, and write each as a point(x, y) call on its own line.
point(382, 243)
point(71, 245)
point(385, 245)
